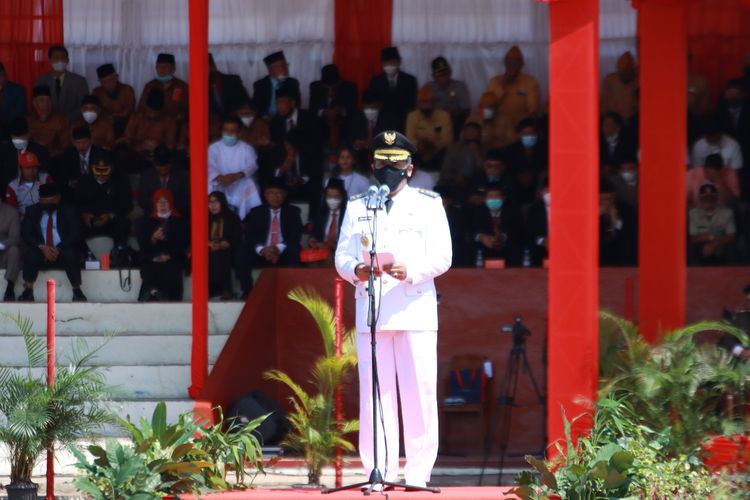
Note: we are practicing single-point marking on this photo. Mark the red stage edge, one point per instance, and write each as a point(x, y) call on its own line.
point(339, 319)
point(198, 101)
point(50, 379)
point(574, 184)
point(662, 233)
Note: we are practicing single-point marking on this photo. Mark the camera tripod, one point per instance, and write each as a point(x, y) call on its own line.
point(517, 360)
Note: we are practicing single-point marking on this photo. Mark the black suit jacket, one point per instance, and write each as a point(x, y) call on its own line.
point(321, 221)
point(510, 227)
point(345, 96)
point(625, 148)
point(357, 126)
point(178, 184)
point(307, 134)
point(262, 90)
point(68, 226)
point(536, 228)
point(114, 196)
point(9, 161)
point(231, 94)
point(397, 101)
point(258, 225)
point(66, 169)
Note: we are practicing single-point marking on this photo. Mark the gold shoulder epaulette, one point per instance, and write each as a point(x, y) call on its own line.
point(427, 192)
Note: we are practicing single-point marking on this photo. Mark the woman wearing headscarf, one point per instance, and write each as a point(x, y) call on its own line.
point(224, 237)
point(163, 239)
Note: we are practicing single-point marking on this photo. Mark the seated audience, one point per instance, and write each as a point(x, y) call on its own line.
point(713, 172)
point(254, 130)
point(430, 129)
point(494, 171)
point(290, 117)
point(224, 240)
point(75, 162)
point(712, 230)
point(332, 101)
point(699, 92)
point(497, 130)
point(13, 103)
point(715, 141)
point(164, 175)
point(354, 182)
point(327, 223)
point(10, 240)
point(734, 114)
point(104, 201)
point(148, 128)
point(173, 90)
point(163, 241)
point(456, 214)
point(52, 234)
point(463, 160)
point(231, 166)
point(620, 89)
point(366, 124)
point(273, 232)
point(23, 191)
point(529, 150)
point(450, 95)
point(517, 92)
point(102, 127)
point(495, 227)
point(48, 128)
point(11, 151)
point(67, 88)
point(265, 89)
point(625, 181)
point(618, 230)
point(537, 226)
point(397, 89)
point(117, 99)
point(225, 92)
point(614, 143)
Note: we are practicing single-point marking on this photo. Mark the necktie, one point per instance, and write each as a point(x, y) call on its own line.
point(275, 230)
point(289, 125)
point(50, 237)
point(84, 165)
point(333, 229)
point(388, 205)
point(58, 87)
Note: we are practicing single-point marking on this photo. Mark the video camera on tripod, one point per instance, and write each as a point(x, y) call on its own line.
point(519, 331)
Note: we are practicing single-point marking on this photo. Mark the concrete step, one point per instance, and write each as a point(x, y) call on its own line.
point(130, 350)
point(96, 319)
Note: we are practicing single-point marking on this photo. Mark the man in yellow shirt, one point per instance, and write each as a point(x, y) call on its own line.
point(430, 129)
point(517, 92)
point(620, 89)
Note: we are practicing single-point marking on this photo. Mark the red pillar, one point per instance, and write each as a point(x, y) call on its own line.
point(663, 125)
point(574, 226)
point(198, 52)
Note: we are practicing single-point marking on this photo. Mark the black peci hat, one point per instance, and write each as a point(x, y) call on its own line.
point(105, 70)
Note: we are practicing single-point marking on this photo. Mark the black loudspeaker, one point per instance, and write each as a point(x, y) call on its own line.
point(258, 403)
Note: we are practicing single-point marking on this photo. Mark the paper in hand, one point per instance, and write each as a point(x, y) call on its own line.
point(381, 259)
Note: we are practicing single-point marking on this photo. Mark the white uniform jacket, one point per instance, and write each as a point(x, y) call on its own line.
point(416, 232)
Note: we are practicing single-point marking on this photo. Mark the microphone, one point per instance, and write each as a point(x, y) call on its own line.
point(371, 200)
point(383, 193)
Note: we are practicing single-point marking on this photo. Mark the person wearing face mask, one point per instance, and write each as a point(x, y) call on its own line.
point(614, 143)
point(225, 92)
point(517, 92)
point(463, 160)
point(101, 126)
point(104, 201)
point(23, 191)
point(625, 181)
point(164, 175)
point(496, 226)
point(117, 99)
point(332, 95)
point(175, 90)
point(537, 225)
point(12, 101)
point(75, 162)
point(51, 231)
point(224, 238)
point(529, 150)
point(47, 127)
point(412, 227)
point(712, 230)
point(231, 166)
point(734, 116)
point(364, 125)
point(254, 130)
point(620, 89)
point(265, 89)
point(618, 229)
point(397, 88)
point(163, 238)
point(67, 88)
point(148, 128)
point(326, 226)
point(713, 172)
point(11, 151)
point(430, 129)
point(494, 170)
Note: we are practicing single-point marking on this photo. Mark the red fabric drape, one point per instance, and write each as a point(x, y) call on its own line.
point(27, 29)
point(363, 27)
point(718, 37)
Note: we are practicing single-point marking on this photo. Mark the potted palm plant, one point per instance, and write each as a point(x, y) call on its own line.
point(314, 431)
point(34, 416)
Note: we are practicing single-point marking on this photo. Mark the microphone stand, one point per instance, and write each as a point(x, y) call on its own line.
point(376, 477)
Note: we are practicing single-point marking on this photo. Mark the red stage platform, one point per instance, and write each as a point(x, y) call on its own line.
point(449, 493)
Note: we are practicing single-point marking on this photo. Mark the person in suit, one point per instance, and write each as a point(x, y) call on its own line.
point(615, 145)
point(175, 90)
point(117, 99)
point(67, 88)
point(332, 101)
point(12, 102)
point(740, 319)
point(10, 255)
point(496, 227)
point(52, 233)
point(364, 125)
point(163, 175)
point(47, 127)
point(455, 211)
point(163, 239)
point(618, 230)
point(225, 92)
point(327, 223)
point(273, 233)
point(11, 151)
point(265, 89)
point(537, 226)
point(75, 162)
point(398, 88)
point(224, 240)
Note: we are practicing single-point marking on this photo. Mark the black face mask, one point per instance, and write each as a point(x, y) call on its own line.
point(48, 207)
point(390, 176)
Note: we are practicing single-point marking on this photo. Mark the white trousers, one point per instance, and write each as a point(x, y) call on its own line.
point(407, 365)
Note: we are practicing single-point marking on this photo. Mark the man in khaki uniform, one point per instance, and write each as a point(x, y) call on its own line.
point(117, 99)
point(46, 127)
point(620, 89)
point(517, 92)
point(429, 128)
point(497, 129)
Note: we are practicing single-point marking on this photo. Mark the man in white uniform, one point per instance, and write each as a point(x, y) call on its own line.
point(414, 229)
point(231, 164)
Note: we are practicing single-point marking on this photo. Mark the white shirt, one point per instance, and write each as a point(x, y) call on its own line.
point(223, 160)
point(43, 224)
point(290, 122)
point(281, 245)
point(728, 148)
